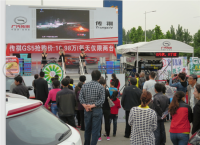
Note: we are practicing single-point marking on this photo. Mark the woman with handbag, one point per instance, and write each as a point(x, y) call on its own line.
point(114, 111)
point(106, 111)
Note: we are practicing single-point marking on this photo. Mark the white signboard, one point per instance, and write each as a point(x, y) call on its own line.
point(27, 24)
point(179, 65)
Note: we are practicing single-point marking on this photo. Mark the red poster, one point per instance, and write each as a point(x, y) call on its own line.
point(54, 48)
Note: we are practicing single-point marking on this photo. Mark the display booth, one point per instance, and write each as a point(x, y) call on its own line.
point(164, 48)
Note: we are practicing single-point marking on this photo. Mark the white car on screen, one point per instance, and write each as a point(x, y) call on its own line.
point(29, 123)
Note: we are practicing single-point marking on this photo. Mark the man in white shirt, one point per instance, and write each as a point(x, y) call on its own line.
point(149, 85)
point(192, 80)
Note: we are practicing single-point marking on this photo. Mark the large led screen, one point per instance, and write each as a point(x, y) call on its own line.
point(62, 24)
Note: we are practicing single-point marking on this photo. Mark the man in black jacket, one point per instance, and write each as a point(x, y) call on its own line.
point(196, 110)
point(66, 102)
point(160, 105)
point(130, 98)
point(20, 89)
point(41, 86)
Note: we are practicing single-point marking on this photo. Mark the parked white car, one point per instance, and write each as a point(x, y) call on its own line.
point(29, 123)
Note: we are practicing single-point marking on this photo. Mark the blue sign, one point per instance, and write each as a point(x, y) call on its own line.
point(117, 4)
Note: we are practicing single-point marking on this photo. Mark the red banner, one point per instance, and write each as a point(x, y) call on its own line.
point(54, 48)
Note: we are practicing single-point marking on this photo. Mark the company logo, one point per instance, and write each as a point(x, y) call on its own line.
point(19, 26)
point(166, 43)
point(20, 20)
point(166, 46)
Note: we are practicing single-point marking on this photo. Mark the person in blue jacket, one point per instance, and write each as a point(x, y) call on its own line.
point(182, 84)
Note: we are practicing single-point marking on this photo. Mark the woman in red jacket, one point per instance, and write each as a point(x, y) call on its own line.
point(181, 118)
point(114, 111)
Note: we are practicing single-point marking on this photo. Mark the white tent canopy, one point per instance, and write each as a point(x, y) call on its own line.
point(161, 45)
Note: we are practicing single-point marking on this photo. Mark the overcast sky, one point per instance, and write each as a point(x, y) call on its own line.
point(185, 13)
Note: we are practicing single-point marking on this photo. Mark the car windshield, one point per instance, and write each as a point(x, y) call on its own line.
point(39, 127)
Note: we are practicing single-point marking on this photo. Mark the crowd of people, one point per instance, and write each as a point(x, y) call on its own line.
point(147, 104)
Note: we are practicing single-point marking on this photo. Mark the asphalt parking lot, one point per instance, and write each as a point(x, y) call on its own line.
point(119, 139)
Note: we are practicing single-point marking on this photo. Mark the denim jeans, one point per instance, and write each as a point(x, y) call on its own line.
point(160, 134)
point(114, 117)
point(92, 125)
point(54, 108)
point(179, 138)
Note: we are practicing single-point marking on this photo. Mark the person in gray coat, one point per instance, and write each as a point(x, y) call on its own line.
point(192, 80)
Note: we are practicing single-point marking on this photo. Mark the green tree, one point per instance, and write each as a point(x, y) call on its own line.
point(195, 44)
point(149, 34)
point(179, 34)
point(140, 35)
point(133, 35)
point(124, 36)
point(196, 39)
point(158, 33)
point(127, 36)
point(168, 35)
point(187, 38)
point(136, 35)
point(172, 31)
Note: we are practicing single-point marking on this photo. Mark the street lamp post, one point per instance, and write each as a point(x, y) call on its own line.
point(145, 22)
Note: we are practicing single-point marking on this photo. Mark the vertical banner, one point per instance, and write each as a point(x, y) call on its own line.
point(195, 65)
point(117, 4)
point(179, 65)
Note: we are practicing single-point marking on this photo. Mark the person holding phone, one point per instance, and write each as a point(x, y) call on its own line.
point(62, 55)
point(82, 56)
point(44, 58)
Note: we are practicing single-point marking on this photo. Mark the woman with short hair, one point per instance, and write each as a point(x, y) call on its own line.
point(143, 122)
point(181, 118)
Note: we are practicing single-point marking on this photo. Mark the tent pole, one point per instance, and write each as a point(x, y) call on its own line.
point(137, 63)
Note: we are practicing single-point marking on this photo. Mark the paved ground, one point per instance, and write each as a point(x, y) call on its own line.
point(120, 140)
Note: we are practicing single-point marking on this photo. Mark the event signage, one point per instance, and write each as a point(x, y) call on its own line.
point(195, 65)
point(51, 70)
point(25, 24)
point(54, 48)
point(179, 65)
point(167, 54)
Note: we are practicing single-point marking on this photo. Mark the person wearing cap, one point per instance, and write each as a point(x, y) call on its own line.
point(82, 56)
point(192, 80)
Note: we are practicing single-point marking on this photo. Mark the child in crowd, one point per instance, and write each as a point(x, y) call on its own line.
point(71, 82)
point(114, 111)
point(137, 78)
point(112, 88)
